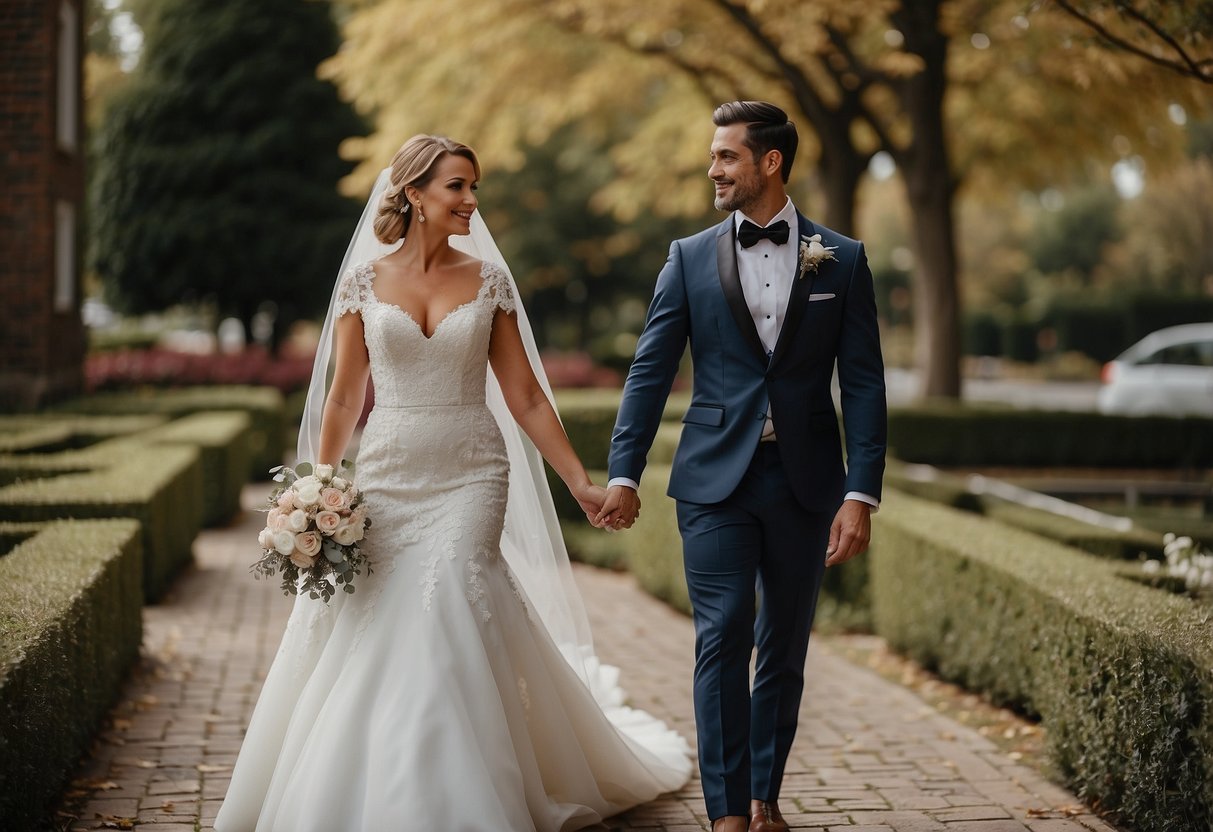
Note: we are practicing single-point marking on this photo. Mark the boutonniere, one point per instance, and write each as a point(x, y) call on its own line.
point(813, 254)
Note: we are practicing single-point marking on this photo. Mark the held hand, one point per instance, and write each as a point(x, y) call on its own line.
point(590, 497)
point(620, 510)
point(850, 533)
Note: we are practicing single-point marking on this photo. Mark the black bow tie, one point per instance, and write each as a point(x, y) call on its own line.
point(749, 234)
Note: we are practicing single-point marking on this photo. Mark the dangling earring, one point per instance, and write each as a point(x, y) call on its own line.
point(420, 216)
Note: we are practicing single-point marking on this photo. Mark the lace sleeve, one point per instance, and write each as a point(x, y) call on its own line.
point(498, 288)
point(354, 290)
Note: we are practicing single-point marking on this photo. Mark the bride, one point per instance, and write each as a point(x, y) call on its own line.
point(457, 687)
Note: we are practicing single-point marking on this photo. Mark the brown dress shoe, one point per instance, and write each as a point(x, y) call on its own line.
point(729, 823)
point(765, 817)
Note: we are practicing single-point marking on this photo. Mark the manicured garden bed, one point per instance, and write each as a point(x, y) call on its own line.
point(70, 628)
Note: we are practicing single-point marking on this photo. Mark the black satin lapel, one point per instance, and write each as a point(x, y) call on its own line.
point(798, 300)
point(730, 283)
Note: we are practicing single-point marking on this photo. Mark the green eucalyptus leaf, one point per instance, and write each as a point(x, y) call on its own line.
point(303, 469)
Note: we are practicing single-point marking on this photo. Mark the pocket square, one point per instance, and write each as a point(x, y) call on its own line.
point(820, 296)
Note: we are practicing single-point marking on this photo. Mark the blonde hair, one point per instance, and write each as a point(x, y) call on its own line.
point(414, 165)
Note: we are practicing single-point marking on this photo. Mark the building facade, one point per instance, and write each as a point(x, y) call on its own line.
point(42, 339)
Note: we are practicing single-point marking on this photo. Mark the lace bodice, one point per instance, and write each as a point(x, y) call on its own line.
point(409, 369)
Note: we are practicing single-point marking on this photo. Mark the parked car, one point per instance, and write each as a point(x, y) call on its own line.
point(1169, 372)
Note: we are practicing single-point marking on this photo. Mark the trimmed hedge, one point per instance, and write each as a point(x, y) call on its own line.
point(48, 433)
point(654, 546)
point(1107, 543)
point(70, 628)
point(589, 415)
point(223, 439)
point(264, 406)
point(951, 490)
point(160, 486)
point(958, 436)
point(1120, 674)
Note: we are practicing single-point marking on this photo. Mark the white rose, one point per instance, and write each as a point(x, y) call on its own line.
point(328, 521)
point(266, 539)
point(340, 483)
point(275, 520)
point(816, 250)
point(286, 500)
point(284, 541)
point(296, 521)
point(347, 534)
point(324, 472)
point(332, 499)
point(307, 492)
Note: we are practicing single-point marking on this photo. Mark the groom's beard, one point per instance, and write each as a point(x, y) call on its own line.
point(744, 193)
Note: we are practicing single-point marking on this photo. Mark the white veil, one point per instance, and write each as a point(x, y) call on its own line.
point(531, 541)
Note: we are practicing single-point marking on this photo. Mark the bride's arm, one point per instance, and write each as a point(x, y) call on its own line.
point(345, 398)
point(530, 407)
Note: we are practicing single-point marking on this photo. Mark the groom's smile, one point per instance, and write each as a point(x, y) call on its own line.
point(734, 169)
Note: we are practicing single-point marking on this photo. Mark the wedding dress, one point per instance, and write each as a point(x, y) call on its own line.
point(433, 697)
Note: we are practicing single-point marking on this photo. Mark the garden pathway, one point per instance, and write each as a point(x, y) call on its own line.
point(870, 755)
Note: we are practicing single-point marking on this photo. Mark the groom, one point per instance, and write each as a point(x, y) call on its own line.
point(769, 302)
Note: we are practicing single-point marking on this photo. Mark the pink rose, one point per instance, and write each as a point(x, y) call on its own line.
point(285, 500)
point(308, 543)
point(332, 499)
point(276, 520)
point(328, 521)
point(302, 561)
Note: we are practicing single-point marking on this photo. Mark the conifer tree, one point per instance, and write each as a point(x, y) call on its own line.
point(217, 164)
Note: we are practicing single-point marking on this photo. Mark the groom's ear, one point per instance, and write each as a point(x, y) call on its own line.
point(772, 163)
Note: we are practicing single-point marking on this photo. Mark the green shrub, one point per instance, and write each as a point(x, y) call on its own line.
point(264, 405)
point(594, 547)
point(160, 486)
point(48, 432)
point(952, 435)
point(981, 332)
point(70, 628)
point(223, 441)
point(654, 546)
point(1095, 540)
point(1120, 674)
point(937, 486)
point(589, 418)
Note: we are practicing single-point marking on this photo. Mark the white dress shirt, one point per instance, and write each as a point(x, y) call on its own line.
point(767, 272)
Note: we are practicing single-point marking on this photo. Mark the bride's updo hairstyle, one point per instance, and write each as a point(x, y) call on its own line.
point(413, 164)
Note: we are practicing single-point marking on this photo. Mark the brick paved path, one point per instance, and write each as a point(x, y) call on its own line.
point(870, 756)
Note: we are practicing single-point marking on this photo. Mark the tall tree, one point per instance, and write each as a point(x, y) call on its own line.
point(945, 87)
point(1175, 34)
point(217, 164)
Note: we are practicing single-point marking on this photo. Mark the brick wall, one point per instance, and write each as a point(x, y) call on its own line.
point(41, 348)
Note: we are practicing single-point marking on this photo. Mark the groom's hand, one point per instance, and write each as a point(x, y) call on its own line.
point(620, 509)
point(850, 533)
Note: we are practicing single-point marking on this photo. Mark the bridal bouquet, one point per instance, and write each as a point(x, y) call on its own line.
point(315, 520)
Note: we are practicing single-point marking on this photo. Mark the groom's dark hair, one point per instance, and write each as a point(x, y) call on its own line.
point(767, 129)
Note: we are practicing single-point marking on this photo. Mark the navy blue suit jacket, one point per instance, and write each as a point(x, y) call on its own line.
point(831, 317)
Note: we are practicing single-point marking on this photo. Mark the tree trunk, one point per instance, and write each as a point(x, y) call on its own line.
point(931, 189)
point(839, 175)
point(936, 294)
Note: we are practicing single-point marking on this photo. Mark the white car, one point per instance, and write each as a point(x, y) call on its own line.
point(1169, 373)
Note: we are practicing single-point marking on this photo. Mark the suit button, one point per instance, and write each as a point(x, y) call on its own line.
point(762, 415)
